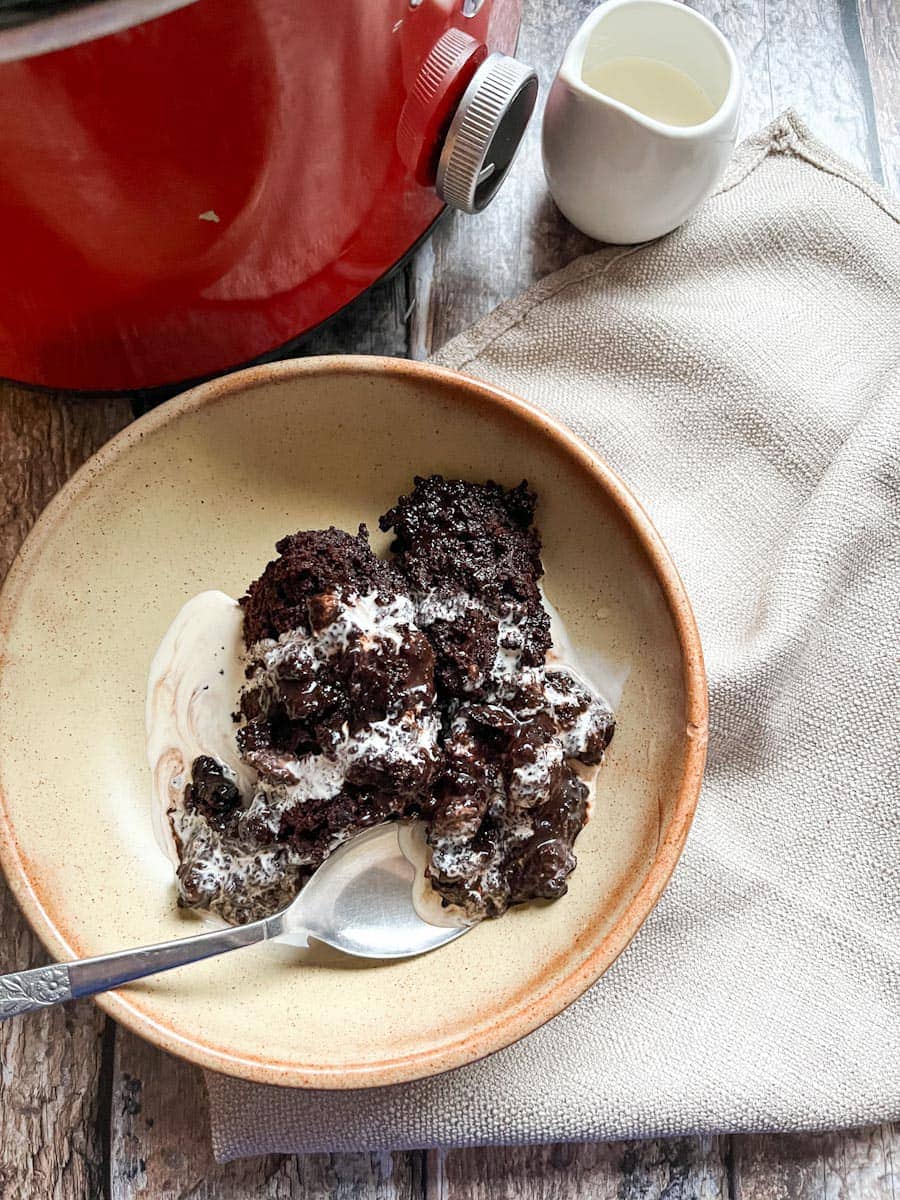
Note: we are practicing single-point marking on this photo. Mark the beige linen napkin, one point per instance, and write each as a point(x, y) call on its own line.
point(743, 376)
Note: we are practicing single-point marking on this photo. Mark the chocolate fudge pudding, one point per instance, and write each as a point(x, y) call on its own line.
point(344, 690)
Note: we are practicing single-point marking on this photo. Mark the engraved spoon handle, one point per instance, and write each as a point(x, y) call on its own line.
point(26, 991)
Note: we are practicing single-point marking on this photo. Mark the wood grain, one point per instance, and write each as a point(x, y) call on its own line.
point(160, 1146)
point(816, 66)
point(375, 324)
point(676, 1169)
point(852, 1164)
point(806, 55)
point(846, 1165)
point(879, 22)
point(52, 1127)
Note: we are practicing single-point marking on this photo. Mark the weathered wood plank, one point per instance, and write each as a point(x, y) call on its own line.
point(373, 324)
point(161, 1150)
point(846, 1165)
point(851, 1164)
point(879, 22)
point(816, 65)
point(51, 1136)
point(44, 438)
point(677, 1169)
point(805, 55)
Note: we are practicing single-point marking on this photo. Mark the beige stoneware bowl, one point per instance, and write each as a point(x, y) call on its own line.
point(194, 496)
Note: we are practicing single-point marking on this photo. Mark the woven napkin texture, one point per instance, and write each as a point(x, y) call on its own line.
point(743, 376)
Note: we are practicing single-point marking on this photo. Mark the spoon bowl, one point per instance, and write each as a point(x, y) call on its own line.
point(362, 901)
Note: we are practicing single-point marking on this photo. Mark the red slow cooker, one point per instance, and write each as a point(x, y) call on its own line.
point(186, 185)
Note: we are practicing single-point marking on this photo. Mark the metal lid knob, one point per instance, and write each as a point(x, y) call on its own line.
point(485, 133)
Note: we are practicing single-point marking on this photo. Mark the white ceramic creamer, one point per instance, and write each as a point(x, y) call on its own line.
point(641, 119)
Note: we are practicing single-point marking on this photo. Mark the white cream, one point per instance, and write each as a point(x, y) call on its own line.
point(410, 739)
point(366, 618)
point(531, 781)
point(427, 903)
point(599, 674)
point(195, 678)
point(371, 620)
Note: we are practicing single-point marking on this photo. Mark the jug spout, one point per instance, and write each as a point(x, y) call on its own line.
point(573, 57)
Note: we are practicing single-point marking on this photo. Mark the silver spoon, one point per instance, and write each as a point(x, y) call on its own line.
point(360, 901)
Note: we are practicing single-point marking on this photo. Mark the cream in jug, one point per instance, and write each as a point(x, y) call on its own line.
point(653, 88)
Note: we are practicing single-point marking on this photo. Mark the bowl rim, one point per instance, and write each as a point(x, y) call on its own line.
point(510, 1024)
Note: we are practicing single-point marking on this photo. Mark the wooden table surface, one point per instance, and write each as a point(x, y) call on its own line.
point(87, 1109)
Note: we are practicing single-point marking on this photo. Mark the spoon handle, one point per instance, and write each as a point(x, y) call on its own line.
point(26, 991)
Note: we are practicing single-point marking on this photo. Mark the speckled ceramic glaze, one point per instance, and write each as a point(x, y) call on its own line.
point(194, 496)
